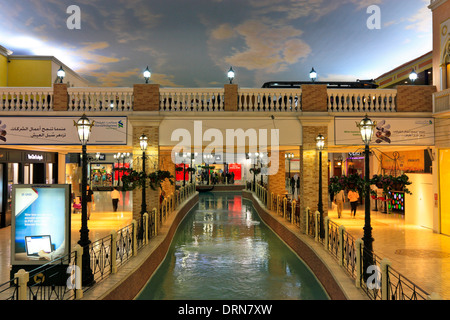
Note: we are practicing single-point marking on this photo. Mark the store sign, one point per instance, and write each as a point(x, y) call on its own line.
point(235, 168)
point(61, 131)
point(40, 223)
point(35, 157)
point(388, 131)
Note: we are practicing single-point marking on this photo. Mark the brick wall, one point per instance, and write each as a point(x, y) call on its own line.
point(230, 97)
point(415, 98)
point(314, 98)
point(277, 182)
point(165, 163)
point(309, 166)
point(60, 97)
point(146, 97)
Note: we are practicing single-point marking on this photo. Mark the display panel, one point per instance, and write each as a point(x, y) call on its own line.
point(397, 202)
point(40, 225)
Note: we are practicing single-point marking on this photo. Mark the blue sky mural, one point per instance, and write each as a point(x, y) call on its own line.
point(193, 43)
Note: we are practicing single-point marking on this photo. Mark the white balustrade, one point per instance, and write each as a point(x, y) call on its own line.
point(26, 99)
point(362, 100)
point(100, 99)
point(193, 100)
point(441, 101)
point(269, 100)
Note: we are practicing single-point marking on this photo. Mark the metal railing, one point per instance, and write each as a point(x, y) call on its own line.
point(379, 282)
point(107, 255)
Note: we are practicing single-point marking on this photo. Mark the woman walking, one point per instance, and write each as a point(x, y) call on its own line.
point(353, 197)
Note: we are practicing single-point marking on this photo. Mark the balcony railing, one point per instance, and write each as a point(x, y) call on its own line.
point(206, 100)
point(441, 101)
point(26, 99)
point(360, 100)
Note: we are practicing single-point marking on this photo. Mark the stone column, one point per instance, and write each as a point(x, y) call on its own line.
point(60, 97)
point(309, 171)
point(277, 182)
point(314, 98)
point(146, 97)
point(166, 164)
point(415, 98)
point(151, 164)
point(231, 97)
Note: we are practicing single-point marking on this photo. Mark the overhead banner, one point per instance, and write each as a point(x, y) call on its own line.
point(60, 131)
point(40, 223)
point(388, 131)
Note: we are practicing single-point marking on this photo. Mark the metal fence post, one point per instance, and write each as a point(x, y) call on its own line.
point(113, 251)
point(326, 221)
point(307, 220)
point(155, 216)
point(359, 248)
point(146, 228)
point(385, 264)
point(341, 245)
point(134, 237)
point(22, 279)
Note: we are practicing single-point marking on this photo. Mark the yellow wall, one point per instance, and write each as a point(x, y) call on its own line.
point(30, 73)
point(3, 70)
point(444, 185)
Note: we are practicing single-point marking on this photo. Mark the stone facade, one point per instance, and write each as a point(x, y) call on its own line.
point(314, 98)
point(230, 97)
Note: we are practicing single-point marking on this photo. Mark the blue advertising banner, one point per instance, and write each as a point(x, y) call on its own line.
point(40, 223)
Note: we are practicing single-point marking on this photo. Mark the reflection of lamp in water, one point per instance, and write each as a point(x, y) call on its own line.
point(320, 143)
point(84, 130)
point(143, 142)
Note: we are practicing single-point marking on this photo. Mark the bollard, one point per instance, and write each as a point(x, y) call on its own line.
point(113, 251)
point(22, 279)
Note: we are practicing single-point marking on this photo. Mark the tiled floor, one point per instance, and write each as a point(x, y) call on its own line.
point(417, 253)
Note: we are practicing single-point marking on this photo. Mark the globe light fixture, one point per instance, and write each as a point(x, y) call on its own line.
point(147, 75)
point(143, 142)
point(84, 127)
point(231, 75)
point(313, 75)
point(61, 74)
point(366, 128)
point(413, 76)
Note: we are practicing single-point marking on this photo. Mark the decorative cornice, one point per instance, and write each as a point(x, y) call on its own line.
point(435, 3)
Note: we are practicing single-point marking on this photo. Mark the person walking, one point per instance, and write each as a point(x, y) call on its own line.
point(353, 196)
point(115, 196)
point(339, 199)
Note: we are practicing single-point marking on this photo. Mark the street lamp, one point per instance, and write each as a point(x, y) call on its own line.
point(313, 75)
point(61, 74)
point(84, 130)
point(366, 127)
point(231, 75)
point(320, 144)
point(147, 74)
point(413, 76)
point(143, 141)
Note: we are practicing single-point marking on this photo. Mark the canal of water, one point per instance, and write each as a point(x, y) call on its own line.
point(223, 251)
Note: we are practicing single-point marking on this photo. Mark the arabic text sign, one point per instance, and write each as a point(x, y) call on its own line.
point(389, 131)
point(60, 131)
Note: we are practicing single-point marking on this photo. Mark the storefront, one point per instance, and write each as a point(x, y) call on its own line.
point(23, 167)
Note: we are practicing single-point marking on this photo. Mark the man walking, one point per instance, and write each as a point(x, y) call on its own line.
point(115, 196)
point(339, 199)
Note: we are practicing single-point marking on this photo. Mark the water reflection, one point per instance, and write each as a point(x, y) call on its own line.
point(222, 250)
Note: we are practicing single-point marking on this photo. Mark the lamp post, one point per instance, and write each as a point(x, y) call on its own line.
point(84, 129)
point(143, 141)
point(366, 127)
point(313, 75)
point(61, 74)
point(231, 75)
point(147, 74)
point(413, 76)
point(320, 144)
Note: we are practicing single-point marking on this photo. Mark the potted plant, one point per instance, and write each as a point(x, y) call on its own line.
point(135, 179)
point(399, 183)
point(338, 183)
